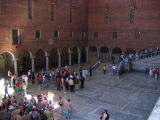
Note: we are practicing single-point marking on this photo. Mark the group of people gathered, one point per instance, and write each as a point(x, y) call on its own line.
point(57, 79)
point(62, 80)
point(41, 107)
point(153, 72)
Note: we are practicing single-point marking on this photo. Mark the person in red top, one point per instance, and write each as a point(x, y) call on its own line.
point(40, 79)
point(18, 85)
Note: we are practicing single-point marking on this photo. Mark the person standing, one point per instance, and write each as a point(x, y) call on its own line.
point(14, 81)
point(114, 70)
point(69, 109)
point(33, 78)
point(30, 75)
point(104, 69)
point(60, 103)
point(24, 87)
point(104, 115)
point(71, 84)
point(9, 76)
point(90, 70)
point(6, 90)
point(80, 71)
point(82, 82)
point(18, 85)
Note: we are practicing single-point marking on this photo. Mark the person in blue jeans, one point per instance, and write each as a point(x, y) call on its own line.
point(69, 109)
point(114, 70)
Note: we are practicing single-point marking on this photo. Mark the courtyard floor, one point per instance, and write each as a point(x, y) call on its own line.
point(129, 97)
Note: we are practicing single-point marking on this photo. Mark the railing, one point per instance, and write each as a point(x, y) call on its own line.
point(143, 56)
point(96, 65)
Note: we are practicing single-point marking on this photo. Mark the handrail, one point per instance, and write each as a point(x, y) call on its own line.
point(96, 64)
point(149, 55)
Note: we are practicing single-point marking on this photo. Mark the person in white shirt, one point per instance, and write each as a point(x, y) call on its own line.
point(114, 68)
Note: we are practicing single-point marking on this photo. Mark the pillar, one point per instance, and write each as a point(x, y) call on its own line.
point(59, 57)
point(15, 66)
point(110, 52)
point(70, 56)
point(79, 55)
point(47, 62)
point(98, 53)
point(32, 62)
point(87, 53)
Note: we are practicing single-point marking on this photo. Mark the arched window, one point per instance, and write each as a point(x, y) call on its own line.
point(52, 5)
point(106, 18)
point(132, 16)
point(133, 13)
point(106, 15)
point(30, 9)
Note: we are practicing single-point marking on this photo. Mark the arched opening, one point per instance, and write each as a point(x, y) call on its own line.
point(6, 63)
point(92, 49)
point(92, 54)
point(53, 58)
point(129, 50)
point(83, 55)
point(65, 57)
point(24, 62)
point(74, 55)
point(116, 50)
point(40, 60)
point(104, 52)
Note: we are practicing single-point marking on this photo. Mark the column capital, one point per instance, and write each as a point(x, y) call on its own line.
point(79, 50)
point(47, 55)
point(86, 48)
point(69, 51)
point(15, 59)
point(59, 52)
point(33, 57)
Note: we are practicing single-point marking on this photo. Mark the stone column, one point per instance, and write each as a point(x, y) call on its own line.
point(15, 66)
point(79, 56)
point(87, 53)
point(98, 52)
point(70, 56)
point(59, 58)
point(110, 52)
point(47, 62)
point(32, 62)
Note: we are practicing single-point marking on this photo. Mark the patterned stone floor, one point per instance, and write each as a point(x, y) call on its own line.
point(129, 97)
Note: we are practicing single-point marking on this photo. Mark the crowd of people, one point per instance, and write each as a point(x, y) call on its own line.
point(41, 107)
point(62, 80)
point(19, 107)
point(57, 79)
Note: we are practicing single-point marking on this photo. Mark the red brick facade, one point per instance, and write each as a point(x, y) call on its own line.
point(87, 16)
point(147, 23)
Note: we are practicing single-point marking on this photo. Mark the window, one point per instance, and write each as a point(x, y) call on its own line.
point(38, 34)
point(15, 37)
point(0, 7)
point(56, 34)
point(52, 12)
point(71, 15)
point(132, 16)
point(29, 9)
point(106, 18)
point(72, 34)
point(114, 35)
point(95, 35)
point(84, 35)
point(137, 34)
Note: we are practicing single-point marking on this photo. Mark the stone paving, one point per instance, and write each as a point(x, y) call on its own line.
point(147, 62)
point(129, 97)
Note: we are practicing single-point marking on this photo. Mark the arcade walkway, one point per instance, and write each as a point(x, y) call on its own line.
point(130, 97)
